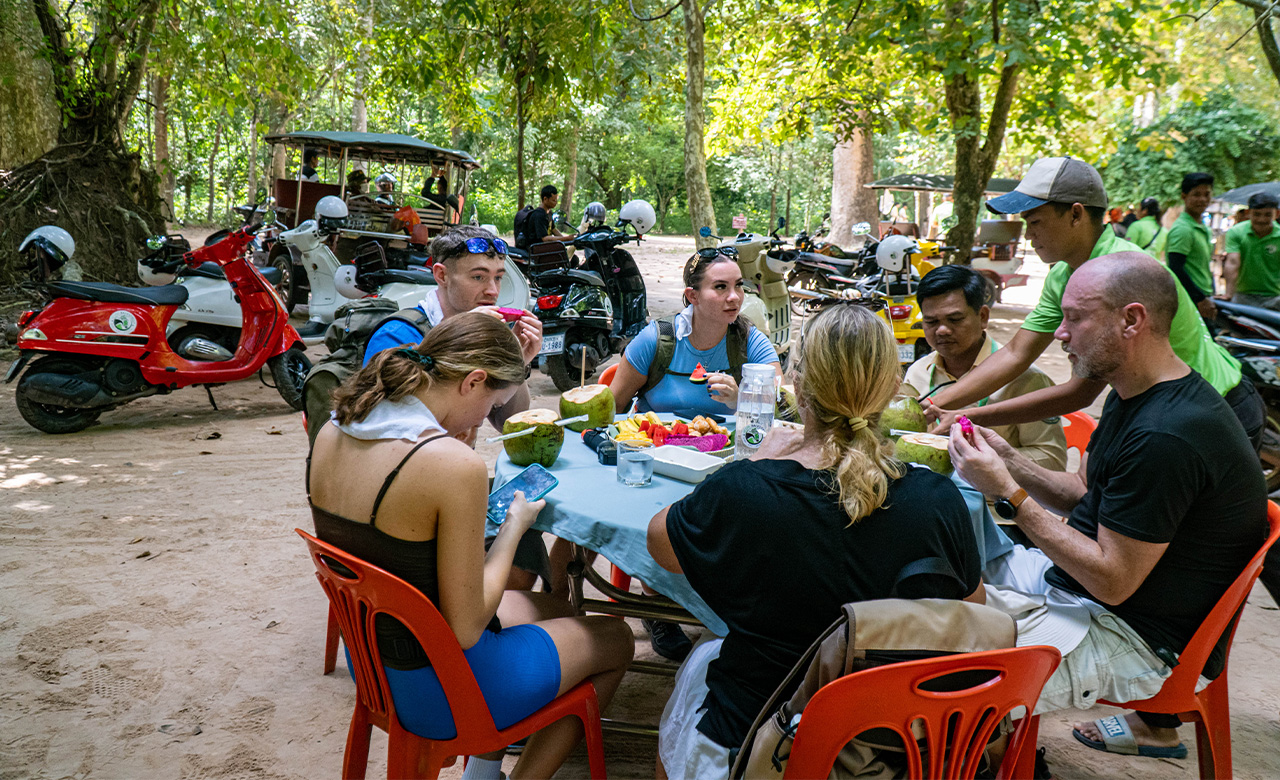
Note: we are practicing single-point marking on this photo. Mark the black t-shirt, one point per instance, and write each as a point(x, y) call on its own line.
point(309, 173)
point(768, 546)
point(1172, 465)
point(538, 225)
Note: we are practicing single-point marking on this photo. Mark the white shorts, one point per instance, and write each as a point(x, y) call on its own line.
point(684, 751)
point(1103, 657)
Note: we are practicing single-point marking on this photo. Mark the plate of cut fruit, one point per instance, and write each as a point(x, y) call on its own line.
point(701, 433)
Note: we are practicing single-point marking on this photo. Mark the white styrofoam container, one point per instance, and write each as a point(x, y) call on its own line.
point(684, 464)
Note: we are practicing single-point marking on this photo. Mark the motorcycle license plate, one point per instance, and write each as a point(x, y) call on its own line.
point(906, 353)
point(552, 343)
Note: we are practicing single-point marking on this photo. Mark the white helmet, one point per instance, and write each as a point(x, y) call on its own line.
point(331, 212)
point(55, 242)
point(639, 214)
point(344, 279)
point(595, 212)
point(155, 271)
point(894, 253)
point(385, 178)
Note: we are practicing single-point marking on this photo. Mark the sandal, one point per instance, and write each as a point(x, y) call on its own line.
point(1118, 738)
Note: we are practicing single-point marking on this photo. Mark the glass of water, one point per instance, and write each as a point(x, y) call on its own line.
point(635, 463)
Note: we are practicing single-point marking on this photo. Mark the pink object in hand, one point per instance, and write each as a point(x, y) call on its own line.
point(966, 427)
point(708, 443)
point(510, 315)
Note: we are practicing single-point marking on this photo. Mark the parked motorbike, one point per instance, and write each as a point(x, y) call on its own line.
point(102, 345)
point(765, 265)
point(592, 309)
point(261, 251)
point(1252, 335)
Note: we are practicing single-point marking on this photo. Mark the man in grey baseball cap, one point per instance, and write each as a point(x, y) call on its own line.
point(1063, 202)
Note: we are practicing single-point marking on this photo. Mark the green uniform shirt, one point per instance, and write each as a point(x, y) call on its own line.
point(1259, 259)
point(1190, 237)
point(1187, 335)
point(1149, 236)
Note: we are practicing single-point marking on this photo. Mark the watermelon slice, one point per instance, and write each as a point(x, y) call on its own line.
point(699, 375)
point(709, 443)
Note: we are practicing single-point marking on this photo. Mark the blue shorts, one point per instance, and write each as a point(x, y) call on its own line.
point(518, 670)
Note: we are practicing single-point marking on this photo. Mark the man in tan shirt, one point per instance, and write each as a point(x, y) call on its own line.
point(954, 310)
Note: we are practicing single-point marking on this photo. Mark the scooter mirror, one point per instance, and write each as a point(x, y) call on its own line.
point(704, 231)
point(782, 222)
point(862, 228)
point(156, 243)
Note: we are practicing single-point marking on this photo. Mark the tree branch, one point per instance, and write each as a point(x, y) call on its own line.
point(1267, 37)
point(1260, 18)
point(1000, 107)
point(56, 44)
point(631, 4)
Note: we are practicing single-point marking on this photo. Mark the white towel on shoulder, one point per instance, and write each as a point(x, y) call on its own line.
point(409, 418)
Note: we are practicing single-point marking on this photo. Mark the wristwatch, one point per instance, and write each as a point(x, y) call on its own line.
point(1008, 507)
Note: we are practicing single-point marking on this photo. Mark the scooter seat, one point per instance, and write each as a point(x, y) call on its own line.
point(166, 295)
point(560, 276)
point(411, 275)
point(1265, 316)
point(210, 270)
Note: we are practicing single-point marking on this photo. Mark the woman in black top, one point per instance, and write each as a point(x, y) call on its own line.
point(390, 483)
point(777, 544)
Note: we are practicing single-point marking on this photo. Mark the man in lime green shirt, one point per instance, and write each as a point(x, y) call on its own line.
point(1253, 256)
point(1190, 245)
point(1063, 202)
point(1146, 232)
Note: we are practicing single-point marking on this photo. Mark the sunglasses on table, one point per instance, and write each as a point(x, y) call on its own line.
point(482, 246)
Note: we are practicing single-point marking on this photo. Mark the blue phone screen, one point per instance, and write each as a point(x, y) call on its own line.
point(535, 482)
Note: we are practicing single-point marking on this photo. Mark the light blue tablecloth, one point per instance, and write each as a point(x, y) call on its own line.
point(590, 508)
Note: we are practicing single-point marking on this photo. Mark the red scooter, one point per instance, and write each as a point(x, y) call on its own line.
point(103, 345)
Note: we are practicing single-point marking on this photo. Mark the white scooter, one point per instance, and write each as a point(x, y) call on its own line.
point(764, 267)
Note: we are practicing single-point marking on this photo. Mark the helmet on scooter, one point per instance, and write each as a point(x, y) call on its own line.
point(894, 253)
point(639, 214)
point(157, 271)
point(53, 245)
point(331, 213)
point(595, 212)
point(344, 279)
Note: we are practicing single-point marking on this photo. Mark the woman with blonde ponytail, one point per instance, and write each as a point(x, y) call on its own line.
point(390, 482)
point(816, 519)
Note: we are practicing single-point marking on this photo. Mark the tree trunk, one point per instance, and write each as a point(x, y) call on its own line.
point(701, 210)
point(213, 158)
point(975, 156)
point(1268, 39)
point(359, 108)
point(160, 95)
point(570, 176)
point(520, 126)
point(853, 165)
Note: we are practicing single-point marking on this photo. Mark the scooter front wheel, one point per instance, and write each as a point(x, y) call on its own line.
point(289, 370)
point(49, 418)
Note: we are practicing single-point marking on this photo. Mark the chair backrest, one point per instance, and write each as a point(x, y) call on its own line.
point(956, 724)
point(362, 592)
point(1078, 427)
point(606, 378)
point(1182, 683)
point(287, 196)
point(999, 231)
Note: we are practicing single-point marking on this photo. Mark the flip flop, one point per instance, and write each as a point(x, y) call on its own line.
point(1118, 738)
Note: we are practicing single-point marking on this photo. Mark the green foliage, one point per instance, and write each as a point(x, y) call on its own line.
point(1235, 142)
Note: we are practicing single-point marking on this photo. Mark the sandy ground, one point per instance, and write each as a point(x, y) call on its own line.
point(160, 619)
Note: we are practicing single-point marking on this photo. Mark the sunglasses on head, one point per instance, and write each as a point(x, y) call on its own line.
point(483, 246)
point(710, 252)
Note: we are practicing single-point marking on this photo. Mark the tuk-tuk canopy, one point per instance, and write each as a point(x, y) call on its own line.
point(387, 148)
point(933, 182)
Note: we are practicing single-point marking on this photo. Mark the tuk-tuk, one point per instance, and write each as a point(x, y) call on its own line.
point(995, 250)
point(431, 179)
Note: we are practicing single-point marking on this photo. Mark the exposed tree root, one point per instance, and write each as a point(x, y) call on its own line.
point(98, 194)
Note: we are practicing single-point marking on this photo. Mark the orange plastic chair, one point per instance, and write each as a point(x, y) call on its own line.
point(957, 724)
point(1210, 708)
point(606, 378)
point(1078, 426)
point(365, 591)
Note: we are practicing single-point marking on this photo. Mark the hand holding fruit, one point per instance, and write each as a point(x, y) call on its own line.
point(979, 464)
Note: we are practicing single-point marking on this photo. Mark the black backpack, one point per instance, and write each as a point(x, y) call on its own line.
point(353, 325)
point(520, 226)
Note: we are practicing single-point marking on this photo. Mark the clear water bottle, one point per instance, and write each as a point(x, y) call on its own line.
point(756, 396)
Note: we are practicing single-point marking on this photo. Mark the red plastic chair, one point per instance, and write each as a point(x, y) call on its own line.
point(356, 600)
point(606, 378)
point(1078, 426)
point(957, 724)
point(1210, 708)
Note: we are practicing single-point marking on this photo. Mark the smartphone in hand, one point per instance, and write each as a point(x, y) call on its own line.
point(535, 482)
